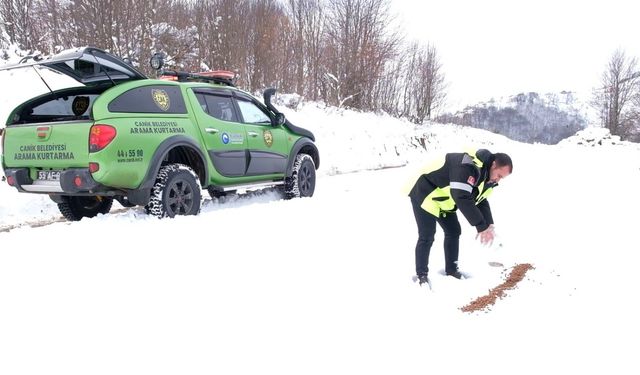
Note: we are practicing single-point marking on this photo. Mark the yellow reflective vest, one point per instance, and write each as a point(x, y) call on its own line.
point(456, 181)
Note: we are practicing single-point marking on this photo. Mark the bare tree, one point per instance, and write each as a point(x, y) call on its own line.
point(265, 43)
point(307, 24)
point(94, 20)
point(252, 37)
point(426, 82)
point(413, 85)
point(358, 46)
point(615, 101)
point(50, 15)
point(342, 51)
point(169, 28)
point(135, 29)
point(19, 24)
point(298, 19)
point(390, 87)
point(222, 32)
point(313, 36)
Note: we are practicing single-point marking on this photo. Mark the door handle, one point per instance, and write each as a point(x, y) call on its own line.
point(211, 130)
point(253, 134)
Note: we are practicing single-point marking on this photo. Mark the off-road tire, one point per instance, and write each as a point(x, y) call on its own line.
point(175, 192)
point(302, 182)
point(75, 208)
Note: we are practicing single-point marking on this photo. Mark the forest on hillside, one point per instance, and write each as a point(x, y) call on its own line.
point(530, 117)
point(345, 53)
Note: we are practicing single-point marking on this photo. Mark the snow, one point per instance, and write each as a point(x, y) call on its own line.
point(31, 85)
point(322, 285)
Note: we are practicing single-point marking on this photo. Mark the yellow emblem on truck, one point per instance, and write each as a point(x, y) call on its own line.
point(268, 138)
point(161, 98)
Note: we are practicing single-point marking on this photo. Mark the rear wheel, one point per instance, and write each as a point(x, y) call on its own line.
point(75, 208)
point(302, 182)
point(175, 192)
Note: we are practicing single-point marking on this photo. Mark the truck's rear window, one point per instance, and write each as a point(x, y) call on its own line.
point(62, 108)
point(77, 105)
point(63, 105)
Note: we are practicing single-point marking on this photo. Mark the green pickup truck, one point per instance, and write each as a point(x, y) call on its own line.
point(149, 142)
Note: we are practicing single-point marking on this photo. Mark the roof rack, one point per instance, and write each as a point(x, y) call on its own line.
point(222, 77)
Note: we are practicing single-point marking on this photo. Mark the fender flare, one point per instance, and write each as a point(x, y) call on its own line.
point(161, 152)
point(295, 150)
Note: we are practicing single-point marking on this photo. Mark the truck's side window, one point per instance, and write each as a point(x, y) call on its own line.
point(220, 107)
point(150, 99)
point(251, 113)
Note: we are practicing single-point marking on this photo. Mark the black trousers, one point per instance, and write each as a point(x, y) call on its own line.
point(426, 232)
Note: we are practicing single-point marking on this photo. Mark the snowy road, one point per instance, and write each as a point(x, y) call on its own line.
point(323, 285)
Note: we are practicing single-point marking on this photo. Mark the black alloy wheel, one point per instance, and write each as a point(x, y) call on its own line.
point(306, 179)
point(180, 197)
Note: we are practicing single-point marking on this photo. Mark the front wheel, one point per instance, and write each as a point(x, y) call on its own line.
point(302, 182)
point(175, 192)
point(75, 208)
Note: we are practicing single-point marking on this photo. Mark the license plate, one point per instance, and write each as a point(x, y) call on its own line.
point(49, 175)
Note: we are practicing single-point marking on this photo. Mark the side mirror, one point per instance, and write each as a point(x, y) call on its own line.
point(279, 119)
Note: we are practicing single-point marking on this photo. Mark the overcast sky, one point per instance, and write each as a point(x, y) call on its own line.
point(493, 48)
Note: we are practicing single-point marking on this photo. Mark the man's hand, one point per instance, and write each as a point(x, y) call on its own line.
point(487, 236)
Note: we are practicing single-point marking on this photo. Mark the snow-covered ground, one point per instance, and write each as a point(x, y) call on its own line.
point(257, 284)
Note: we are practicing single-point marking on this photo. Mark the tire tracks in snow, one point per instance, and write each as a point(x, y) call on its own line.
point(205, 203)
point(45, 222)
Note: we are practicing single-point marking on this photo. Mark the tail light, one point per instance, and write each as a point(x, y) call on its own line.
point(100, 136)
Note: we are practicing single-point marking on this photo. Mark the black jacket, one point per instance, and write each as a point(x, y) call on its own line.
point(465, 178)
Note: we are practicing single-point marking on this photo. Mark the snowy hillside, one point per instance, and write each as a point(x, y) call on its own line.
point(530, 117)
point(573, 103)
point(349, 141)
point(260, 285)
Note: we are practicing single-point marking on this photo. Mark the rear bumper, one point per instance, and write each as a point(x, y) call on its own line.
point(72, 181)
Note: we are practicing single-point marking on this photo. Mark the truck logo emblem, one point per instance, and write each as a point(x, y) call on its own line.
point(161, 98)
point(80, 105)
point(225, 138)
point(268, 138)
